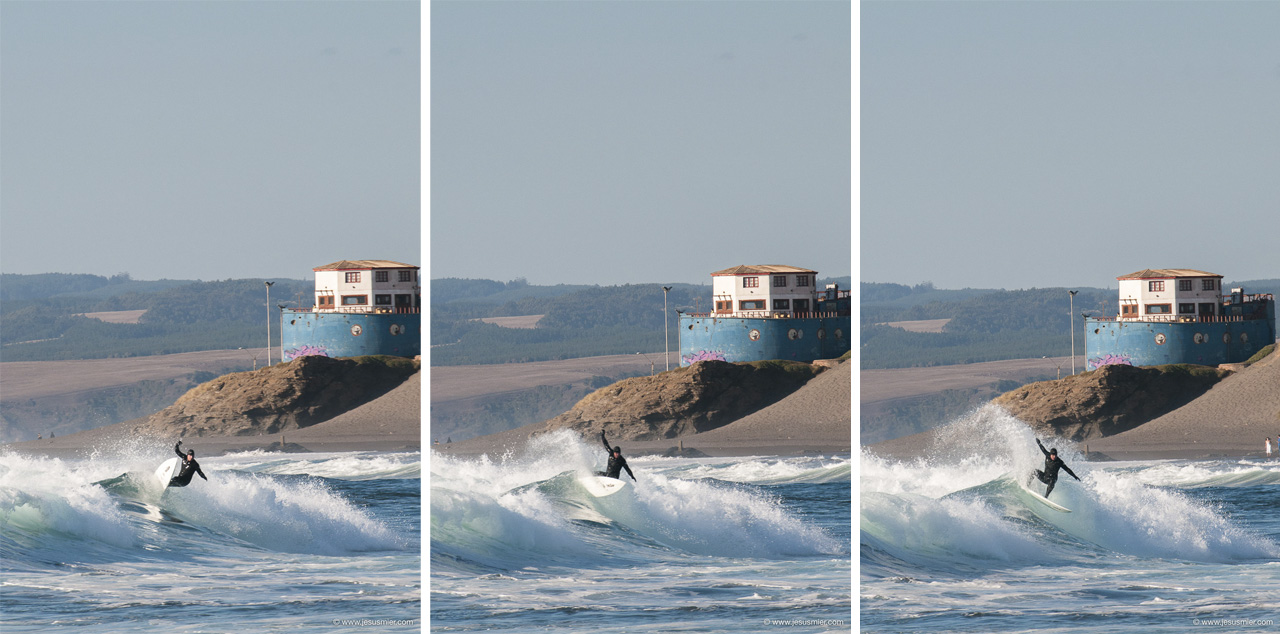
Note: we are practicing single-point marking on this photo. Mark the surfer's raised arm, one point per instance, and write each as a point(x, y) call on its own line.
point(604, 440)
point(1042, 449)
point(178, 450)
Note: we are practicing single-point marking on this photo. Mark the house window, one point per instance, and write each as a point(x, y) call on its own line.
point(802, 280)
point(782, 304)
point(1186, 309)
point(382, 300)
point(1208, 285)
point(355, 300)
point(406, 276)
point(1184, 285)
point(750, 282)
point(751, 304)
point(1159, 309)
point(779, 281)
point(353, 278)
point(1155, 287)
point(382, 276)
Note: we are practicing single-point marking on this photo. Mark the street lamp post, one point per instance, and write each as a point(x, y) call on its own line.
point(1071, 303)
point(281, 306)
point(666, 338)
point(269, 323)
point(679, 338)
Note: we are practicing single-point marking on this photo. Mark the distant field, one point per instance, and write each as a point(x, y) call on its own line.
point(20, 380)
point(884, 385)
point(453, 382)
point(519, 321)
point(920, 325)
point(117, 316)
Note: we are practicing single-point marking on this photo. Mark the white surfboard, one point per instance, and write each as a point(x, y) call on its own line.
point(1044, 500)
point(165, 473)
point(601, 486)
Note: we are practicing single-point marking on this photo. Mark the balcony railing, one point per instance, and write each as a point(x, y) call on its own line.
point(361, 310)
point(767, 314)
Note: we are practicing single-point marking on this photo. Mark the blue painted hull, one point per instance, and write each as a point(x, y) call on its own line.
point(351, 334)
point(739, 339)
point(1160, 343)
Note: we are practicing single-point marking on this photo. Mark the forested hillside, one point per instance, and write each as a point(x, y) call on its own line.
point(42, 316)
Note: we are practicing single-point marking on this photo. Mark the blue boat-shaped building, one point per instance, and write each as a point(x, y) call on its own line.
point(362, 307)
point(767, 312)
point(1180, 316)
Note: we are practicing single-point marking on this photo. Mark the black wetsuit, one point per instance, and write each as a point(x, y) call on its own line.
point(616, 462)
point(1051, 465)
point(187, 469)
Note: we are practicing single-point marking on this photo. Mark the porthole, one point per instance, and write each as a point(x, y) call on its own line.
point(396, 329)
point(794, 334)
point(1160, 339)
point(1244, 337)
point(754, 334)
point(1200, 338)
point(356, 330)
point(822, 333)
point(1226, 337)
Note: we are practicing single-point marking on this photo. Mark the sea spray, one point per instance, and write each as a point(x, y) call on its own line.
point(299, 515)
point(913, 504)
point(40, 495)
point(712, 544)
point(518, 501)
point(84, 542)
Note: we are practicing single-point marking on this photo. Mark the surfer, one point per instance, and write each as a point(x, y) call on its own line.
point(616, 462)
point(1051, 465)
point(189, 467)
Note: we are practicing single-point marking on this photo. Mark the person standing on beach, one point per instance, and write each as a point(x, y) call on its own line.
point(1267, 439)
point(1052, 463)
point(189, 467)
point(616, 462)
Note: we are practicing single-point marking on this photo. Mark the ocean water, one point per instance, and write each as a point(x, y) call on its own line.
point(951, 543)
point(699, 545)
point(272, 542)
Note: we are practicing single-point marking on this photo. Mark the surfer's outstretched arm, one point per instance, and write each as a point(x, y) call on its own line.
point(1042, 449)
point(199, 471)
point(607, 448)
point(633, 476)
point(178, 450)
point(1068, 470)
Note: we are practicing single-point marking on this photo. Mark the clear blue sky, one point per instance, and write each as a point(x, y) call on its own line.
point(1042, 144)
point(208, 140)
point(630, 142)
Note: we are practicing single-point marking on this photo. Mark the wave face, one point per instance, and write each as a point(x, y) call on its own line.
point(954, 533)
point(716, 529)
point(94, 528)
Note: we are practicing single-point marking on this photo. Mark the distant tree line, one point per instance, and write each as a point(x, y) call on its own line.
point(42, 317)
